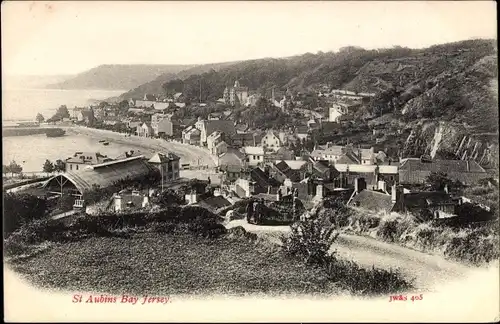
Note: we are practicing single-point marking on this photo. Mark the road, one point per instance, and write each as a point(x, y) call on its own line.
point(427, 270)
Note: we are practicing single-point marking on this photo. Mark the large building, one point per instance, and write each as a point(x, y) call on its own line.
point(104, 175)
point(81, 159)
point(416, 171)
point(235, 94)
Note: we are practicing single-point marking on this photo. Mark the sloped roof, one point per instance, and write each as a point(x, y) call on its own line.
point(427, 198)
point(254, 150)
point(446, 166)
point(225, 126)
point(373, 200)
point(294, 164)
point(163, 157)
point(215, 202)
point(262, 180)
point(106, 174)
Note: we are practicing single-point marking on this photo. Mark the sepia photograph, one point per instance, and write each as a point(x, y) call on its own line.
point(264, 161)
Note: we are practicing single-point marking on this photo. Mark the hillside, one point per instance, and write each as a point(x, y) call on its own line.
point(117, 77)
point(155, 85)
point(443, 93)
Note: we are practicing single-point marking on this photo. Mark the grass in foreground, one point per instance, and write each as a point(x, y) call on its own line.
point(155, 263)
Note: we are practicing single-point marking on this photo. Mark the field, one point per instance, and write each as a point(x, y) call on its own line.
point(155, 263)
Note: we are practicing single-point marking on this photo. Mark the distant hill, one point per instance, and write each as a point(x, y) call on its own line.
point(32, 81)
point(116, 77)
point(155, 85)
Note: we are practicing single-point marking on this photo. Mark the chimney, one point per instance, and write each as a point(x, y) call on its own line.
point(446, 185)
point(468, 166)
point(394, 194)
point(268, 189)
point(356, 185)
point(382, 186)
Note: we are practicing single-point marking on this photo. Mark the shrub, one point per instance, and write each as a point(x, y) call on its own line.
point(358, 280)
point(21, 209)
point(310, 241)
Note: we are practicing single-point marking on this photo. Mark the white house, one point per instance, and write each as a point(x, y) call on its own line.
point(336, 111)
point(255, 154)
point(212, 141)
point(271, 141)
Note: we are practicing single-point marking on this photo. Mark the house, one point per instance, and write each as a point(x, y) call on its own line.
point(255, 154)
point(281, 171)
point(80, 159)
point(416, 171)
point(215, 116)
point(178, 96)
point(135, 111)
point(214, 139)
point(220, 148)
point(191, 135)
point(127, 200)
point(252, 100)
point(284, 154)
point(236, 94)
point(271, 141)
point(233, 165)
point(145, 130)
point(346, 154)
point(370, 174)
point(215, 203)
point(77, 113)
point(168, 164)
point(302, 132)
point(133, 123)
point(207, 127)
point(246, 139)
point(437, 204)
point(162, 124)
point(336, 111)
point(263, 182)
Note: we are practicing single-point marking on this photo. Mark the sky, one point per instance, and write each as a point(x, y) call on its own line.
point(53, 38)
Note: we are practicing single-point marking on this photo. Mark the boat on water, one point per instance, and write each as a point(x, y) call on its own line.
point(55, 132)
point(102, 141)
point(105, 143)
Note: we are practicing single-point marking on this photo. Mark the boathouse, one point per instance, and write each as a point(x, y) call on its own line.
point(104, 175)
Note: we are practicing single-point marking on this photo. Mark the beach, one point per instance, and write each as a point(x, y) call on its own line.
point(189, 154)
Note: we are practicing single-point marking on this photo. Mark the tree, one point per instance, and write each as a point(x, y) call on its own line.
point(48, 167)
point(63, 112)
point(39, 118)
point(59, 166)
point(15, 168)
point(5, 169)
point(103, 104)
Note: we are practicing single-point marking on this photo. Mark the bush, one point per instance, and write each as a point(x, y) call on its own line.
point(358, 280)
point(193, 220)
point(310, 241)
point(20, 209)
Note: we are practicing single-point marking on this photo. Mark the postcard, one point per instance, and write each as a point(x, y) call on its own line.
point(250, 161)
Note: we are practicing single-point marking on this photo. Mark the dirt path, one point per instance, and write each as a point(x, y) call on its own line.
point(428, 270)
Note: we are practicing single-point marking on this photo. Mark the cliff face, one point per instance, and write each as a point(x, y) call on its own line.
point(446, 140)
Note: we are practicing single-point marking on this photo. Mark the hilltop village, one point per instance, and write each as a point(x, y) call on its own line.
point(310, 156)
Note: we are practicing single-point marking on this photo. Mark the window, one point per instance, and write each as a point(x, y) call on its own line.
point(71, 166)
point(77, 166)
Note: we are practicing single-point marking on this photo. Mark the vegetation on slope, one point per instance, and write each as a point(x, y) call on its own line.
point(177, 250)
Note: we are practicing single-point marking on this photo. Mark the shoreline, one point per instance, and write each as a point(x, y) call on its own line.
point(189, 154)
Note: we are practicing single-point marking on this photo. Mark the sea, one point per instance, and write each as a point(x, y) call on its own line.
point(32, 151)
